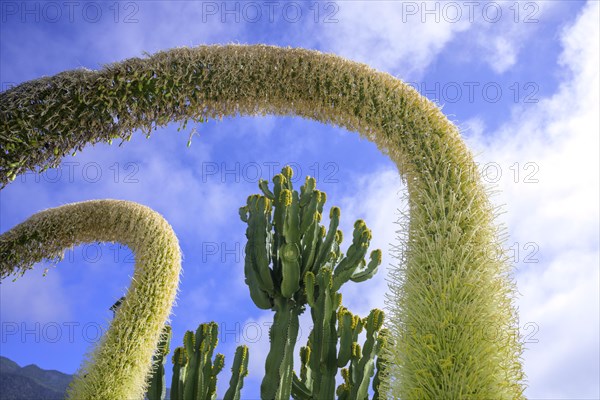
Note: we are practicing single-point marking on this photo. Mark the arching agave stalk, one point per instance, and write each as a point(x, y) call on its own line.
point(453, 280)
point(118, 367)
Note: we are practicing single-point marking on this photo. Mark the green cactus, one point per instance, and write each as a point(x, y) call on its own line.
point(179, 373)
point(320, 361)
point(381, 365)
point(238, 371)
point(289, 263)
point(157, 389)
point(194, 370)
point(317, 376)
point(363, 367)
point(201, 370)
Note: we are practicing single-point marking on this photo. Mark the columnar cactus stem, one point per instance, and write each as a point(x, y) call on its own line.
point(195, 372)
point(303, 257)
point(179, 373)
point(277, 382)
point(381, 366)
point(121, 362)
point(454, 279)
point(201, 370)
point(362, 367)
point(157, 389)
point(239, 370)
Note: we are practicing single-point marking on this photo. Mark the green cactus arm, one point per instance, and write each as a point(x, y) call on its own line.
point(309, 212)
point(279, 361)
point(200, 381)
point(365, 367)
point(299, 390)
point(191, 377)
point(379, 391)
point(345, 332)
point(259, 209)
point(120, 363)
point(291, 225)
point(239, 371)
point(305, 371)
point(213, 373)
point(326, 248)
point(244, 213)
point(355, 257)
point(208, 343)
point(179, 375)
point(343, 391)
point(278, 214)
point(218, 364)
point(286, 369)
point(207, 82)
point(289, 174)
point(258, 295)
point(323, 337)
point(309, 288)
point(264, 186)
point(157, 388)
point(309, 246)
point(370, 270)
point(290, 269)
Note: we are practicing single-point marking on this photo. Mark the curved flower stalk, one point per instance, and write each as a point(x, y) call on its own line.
point(118, 367)
point(454, 278)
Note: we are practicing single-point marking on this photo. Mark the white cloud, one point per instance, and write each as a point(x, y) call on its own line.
point(34, 298)
point(499, 30)
point(559, 214)
point(377, 204)
point(405, 38)
point(503, 56)
point(389, 36)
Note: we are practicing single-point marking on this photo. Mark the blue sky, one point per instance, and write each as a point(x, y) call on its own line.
point(519, 79)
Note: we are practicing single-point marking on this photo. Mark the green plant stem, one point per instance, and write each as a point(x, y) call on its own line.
point(277, 382)
point(119, 365)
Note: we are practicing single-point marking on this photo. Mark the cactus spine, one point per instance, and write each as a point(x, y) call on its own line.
point(307, 268)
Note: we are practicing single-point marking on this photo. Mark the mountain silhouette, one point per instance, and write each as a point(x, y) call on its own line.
point(31, 382)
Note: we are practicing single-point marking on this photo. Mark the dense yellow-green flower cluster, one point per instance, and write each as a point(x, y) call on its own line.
point(453, 284)
point(118, 366)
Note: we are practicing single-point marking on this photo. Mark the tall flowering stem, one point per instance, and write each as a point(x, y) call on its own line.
point(119, 365)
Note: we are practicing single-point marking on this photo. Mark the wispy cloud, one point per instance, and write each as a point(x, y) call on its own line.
point(551, 199)
point(49, 304)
